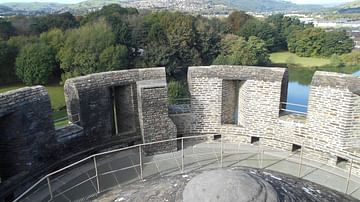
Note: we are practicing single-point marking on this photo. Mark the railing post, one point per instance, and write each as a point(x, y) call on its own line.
point(301, 159)
point(141, 163)
point(97, 175)
point(50, 190)
point(182, 154)
point(261, 158)
point(221, 150)
point(349, 177)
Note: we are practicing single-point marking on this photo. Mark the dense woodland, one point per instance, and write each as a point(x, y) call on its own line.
point(43, 49)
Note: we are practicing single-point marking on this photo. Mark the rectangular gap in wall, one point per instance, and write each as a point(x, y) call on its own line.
point(295, 148)
point(231, 102)
point(123, 109)
point(217, 137)
point(254, 140)
point(341, 162)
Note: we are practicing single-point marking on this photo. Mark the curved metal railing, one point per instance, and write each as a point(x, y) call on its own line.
point(92, 164)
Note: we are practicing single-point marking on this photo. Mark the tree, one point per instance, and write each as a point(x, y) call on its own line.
point(20, 41)
point(352, 58)
point(263, 31)
point(35, 64)
point(7, 61)
point(61, 21)
point(312, 42)
point(337, 43)
point(54, 38)
point(6, 29)
point(236, 20)
point(238, 51)
point(114, 58)
point(82, 48)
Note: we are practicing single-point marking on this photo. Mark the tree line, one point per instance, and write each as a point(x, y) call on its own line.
point(38, 50)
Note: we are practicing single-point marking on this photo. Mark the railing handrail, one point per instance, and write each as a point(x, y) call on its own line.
point(294, 104)
point(345, 155)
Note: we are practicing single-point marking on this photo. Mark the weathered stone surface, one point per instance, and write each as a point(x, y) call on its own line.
point(236, 184)
point(251, 109)
point(27, 133)
point(155, 123)
point(230, 185)
point(97, 100)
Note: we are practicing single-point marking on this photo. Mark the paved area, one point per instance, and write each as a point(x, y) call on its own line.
point(121, 168)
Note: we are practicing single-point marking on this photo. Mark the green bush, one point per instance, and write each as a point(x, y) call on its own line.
point(176, 90)
point(35, 64)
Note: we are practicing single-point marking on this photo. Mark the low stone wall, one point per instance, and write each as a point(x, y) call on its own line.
point(155, 123)
point(27, 133)
point(329, 130)
point(94, 99)
point(181, 116)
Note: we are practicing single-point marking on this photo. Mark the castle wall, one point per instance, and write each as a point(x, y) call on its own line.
point(155, 122)
point(27, 133)
point(96, 100)
point(330, 129)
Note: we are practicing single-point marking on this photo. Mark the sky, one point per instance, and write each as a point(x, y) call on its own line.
point(294, 1)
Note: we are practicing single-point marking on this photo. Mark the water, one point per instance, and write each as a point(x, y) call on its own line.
point(299, 84)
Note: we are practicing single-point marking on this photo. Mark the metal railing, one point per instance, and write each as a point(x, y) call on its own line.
point(294, 111)
point(93, 164)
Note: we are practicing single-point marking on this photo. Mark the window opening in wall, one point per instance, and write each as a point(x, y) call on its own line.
point(295, 148)
point(293, 99)
point(123, 109)
point(216, 137)
point(254, 140)
point(231, 102)
point(341, 162)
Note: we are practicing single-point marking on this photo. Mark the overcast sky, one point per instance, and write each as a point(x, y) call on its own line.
point(295, 1)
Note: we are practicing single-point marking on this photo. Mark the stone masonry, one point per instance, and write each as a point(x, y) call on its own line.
point(27, 132)
point(245, 102)
point(155, 123)
point(123, 105)
point(121, 108)
point(105, 110)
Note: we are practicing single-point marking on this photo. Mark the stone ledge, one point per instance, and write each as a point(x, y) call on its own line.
point(271, 74)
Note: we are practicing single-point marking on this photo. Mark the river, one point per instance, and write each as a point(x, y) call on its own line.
point(299, 83)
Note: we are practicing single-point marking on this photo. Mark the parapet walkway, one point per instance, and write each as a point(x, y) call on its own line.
point(120, 168)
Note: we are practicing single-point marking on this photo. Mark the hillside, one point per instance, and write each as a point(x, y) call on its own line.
point(34, 6)
point(4, 9)
point(351, 7)
point(245, 5)
point(269, 5)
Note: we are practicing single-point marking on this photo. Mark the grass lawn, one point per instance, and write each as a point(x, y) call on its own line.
point(291, 58)
point(56, 93)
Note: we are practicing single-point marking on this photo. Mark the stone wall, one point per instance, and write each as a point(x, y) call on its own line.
point(98, 99)
point(329, 131)
point(105, 111)
point(155, 123)
point(27, 133)
point(181, 116)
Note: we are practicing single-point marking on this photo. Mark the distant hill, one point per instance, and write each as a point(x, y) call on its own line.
point(34, 6)
point(89, 5)
point(4, 9)
point(269, 5)
point(351, 7)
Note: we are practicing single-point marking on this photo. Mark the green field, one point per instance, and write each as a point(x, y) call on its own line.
point(56, 93)
point(291, 58)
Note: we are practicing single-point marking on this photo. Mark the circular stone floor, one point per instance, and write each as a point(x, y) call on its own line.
point(225, 185)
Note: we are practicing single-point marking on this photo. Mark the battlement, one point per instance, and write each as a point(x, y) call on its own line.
point(121, 108)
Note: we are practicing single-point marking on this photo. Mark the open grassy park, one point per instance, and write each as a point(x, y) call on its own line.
point(291, 58)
